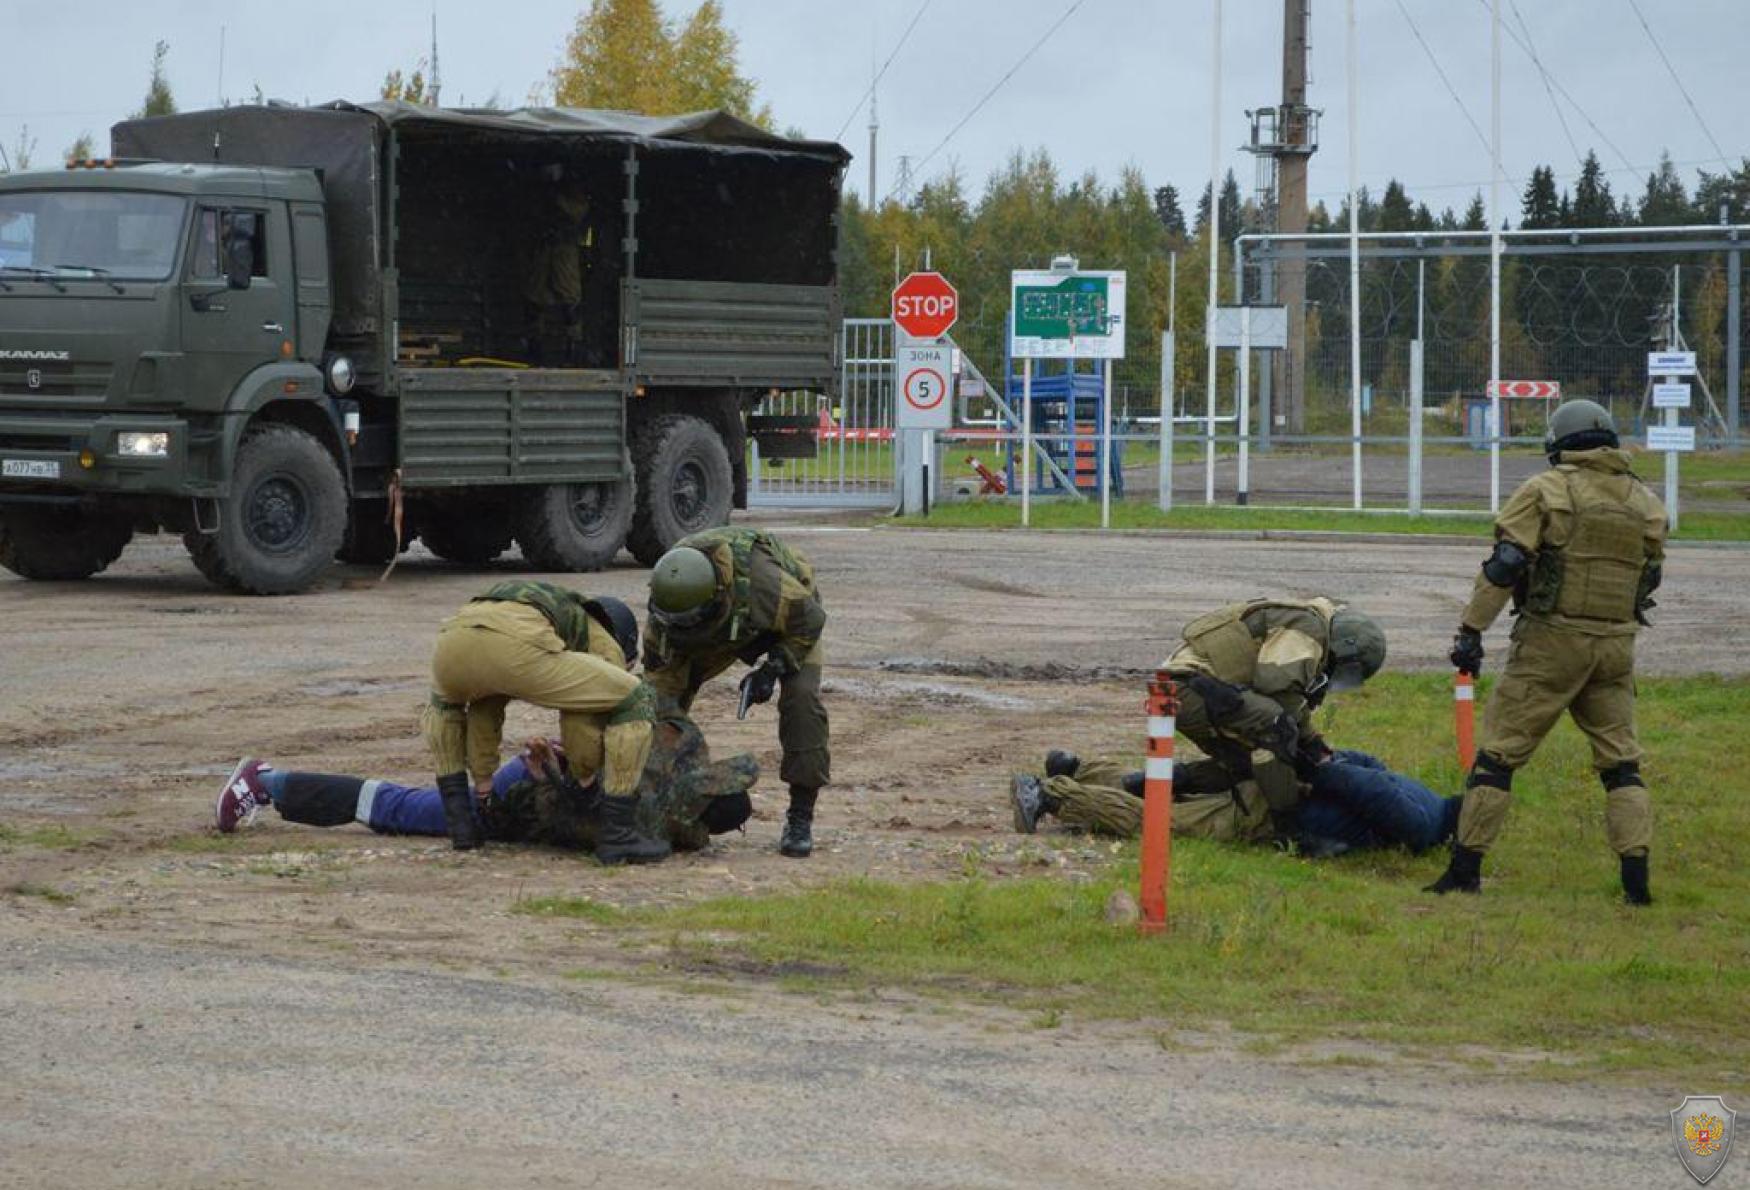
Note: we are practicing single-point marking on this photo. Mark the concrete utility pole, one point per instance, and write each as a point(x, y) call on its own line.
point(1291, 212)
point(874, 127)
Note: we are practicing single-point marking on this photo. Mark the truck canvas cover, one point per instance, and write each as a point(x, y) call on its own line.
point(344, 143)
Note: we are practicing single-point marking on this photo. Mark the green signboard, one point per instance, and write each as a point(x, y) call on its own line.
point(1067, 315)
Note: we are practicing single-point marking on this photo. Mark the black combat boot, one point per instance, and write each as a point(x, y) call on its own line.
point(797, 842)
point(457, 793)
point(1061, 763)
point(1030, 802)
point(1463, 874)
point(1634, 880)
point(1135, 784)
point(618, 840)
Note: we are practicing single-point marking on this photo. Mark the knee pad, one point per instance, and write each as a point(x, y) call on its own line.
point(1619, 775)
point(726, 812)
point(1490, 772)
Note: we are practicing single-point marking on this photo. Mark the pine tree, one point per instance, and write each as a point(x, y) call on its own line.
point(1167, 210)
point(1665, 203)
point(1395, 211)
point(1593, 205)
point(159, 100)
point(1540, 208)
point(1231, 207)
point(1730, 189)
point(1476, 216)
point(1200, 226)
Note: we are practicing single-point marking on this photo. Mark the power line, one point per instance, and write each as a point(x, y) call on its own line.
point(1450, 89)
point(1563, 92)
point(1636, 171)
point(1543, 74)
point(916, 17)
point(1010, 73)
point(1681, 89)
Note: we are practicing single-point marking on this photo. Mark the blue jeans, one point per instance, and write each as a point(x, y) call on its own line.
point(1358, 802)
point(391, 809)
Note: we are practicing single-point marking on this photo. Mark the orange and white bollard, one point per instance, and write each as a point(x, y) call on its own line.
point(1157, 803)
point(1464, 711)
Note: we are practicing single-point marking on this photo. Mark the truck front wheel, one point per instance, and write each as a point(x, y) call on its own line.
point(283, 521)
point(574, 526)
point(685, 484)
point(56, 544)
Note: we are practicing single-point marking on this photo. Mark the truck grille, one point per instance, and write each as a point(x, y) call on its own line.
point(55, 380)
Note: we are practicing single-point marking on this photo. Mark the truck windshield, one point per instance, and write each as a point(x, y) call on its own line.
point(130, 237)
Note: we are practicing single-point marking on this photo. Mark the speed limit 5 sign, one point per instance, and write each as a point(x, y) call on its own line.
point(922, 379)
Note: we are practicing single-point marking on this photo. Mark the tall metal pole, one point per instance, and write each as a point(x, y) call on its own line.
point(1494, 255)
point(874, 127)
point(1027, 441)
point(1169, 405)
point(1106, 446)
point(1243, 408)
point(1354, 261)
point(1295, 130)
point(1214, 258)
point(1417, 365)
point(1734, 336)
point(1671, 415)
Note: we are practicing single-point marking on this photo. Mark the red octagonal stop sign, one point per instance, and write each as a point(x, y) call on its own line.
point(925, 305)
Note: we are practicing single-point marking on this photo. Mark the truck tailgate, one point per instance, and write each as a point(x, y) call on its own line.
point(731, 334)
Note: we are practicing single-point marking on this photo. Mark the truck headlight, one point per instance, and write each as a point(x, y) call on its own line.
point(143, 446)
point(340, 375)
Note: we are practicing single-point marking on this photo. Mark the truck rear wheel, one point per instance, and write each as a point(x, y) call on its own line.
point(466, 535)
point(574, 526)
point(283, 521)
point(685, 484)
point(57, 544)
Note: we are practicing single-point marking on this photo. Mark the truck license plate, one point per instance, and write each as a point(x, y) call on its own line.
point(30, 469)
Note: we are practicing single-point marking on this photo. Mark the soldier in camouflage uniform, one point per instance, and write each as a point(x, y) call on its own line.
point(1578, 549)
point(553, 647)
point(684, 796)
point(1350, 802)
point(1250, 676)
point(728, 595)
point(553, 286)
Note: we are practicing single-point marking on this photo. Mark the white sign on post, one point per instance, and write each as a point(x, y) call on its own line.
point(1067, 314)
point(1269, 326)
point(1671, 396)
point(1671, 438)
point(1670, 363)
point(922, 384)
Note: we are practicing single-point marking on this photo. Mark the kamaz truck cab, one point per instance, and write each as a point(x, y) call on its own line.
point(292, 333)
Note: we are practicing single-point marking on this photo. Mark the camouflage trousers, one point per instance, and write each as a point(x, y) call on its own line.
point(803, 729)
point(492, 652)
point(1204, 804)
point(1550, 670)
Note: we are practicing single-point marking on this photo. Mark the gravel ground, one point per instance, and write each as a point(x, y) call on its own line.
point(333, 1008)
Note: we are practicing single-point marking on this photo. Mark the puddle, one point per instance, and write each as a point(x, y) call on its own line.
point(937, 693)
point(984, 667)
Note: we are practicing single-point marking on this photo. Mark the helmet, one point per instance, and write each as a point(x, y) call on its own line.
point(618, 619)
point(1579, 425)
point(1357, 649)
point(683, 588)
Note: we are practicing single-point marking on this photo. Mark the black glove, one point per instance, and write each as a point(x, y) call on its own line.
point(757, 687)
point(1467, 651)
point(1312, 752)
point(1283, 739)
point(1220, 700)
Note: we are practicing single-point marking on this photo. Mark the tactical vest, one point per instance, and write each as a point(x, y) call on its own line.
point(565, 610)
point(731, 551)
point(1225, 642)
point(1596, 573)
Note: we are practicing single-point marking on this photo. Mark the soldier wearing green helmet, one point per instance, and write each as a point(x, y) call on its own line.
point(1250, 676)
point(728, 595)
point(1578, 551)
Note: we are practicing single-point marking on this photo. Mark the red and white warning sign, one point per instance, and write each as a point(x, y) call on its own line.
point(922, 376)
point(1527, 390)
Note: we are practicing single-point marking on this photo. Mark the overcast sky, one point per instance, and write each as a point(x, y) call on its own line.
point(1122, 82)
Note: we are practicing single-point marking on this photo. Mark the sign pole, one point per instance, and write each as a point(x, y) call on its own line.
point(1165, 496)
point(1244, 412)
point(1026, 442)
point(1671, 458)
point(1106, 448)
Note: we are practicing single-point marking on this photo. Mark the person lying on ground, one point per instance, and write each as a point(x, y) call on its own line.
point(685, 797)
point(1350, 802)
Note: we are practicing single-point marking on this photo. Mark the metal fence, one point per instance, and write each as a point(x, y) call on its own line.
point(853, 466)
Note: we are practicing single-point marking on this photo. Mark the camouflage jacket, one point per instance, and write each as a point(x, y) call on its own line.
point(773, 607)
point(1274, 647)
point(679, 780)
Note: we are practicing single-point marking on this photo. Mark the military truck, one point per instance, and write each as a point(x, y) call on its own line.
point(288, 333)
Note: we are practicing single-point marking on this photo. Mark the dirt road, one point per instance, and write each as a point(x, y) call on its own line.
point(335, 1008)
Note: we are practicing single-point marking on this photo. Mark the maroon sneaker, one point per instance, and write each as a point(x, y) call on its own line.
point(242, 795)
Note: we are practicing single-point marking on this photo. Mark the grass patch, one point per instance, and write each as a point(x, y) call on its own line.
point(581, 908)
point(48, 838)
point(1290, 950)
point(54, 896)
point(1062, 514)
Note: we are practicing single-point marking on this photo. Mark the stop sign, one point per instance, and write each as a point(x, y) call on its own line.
point(925, 305)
